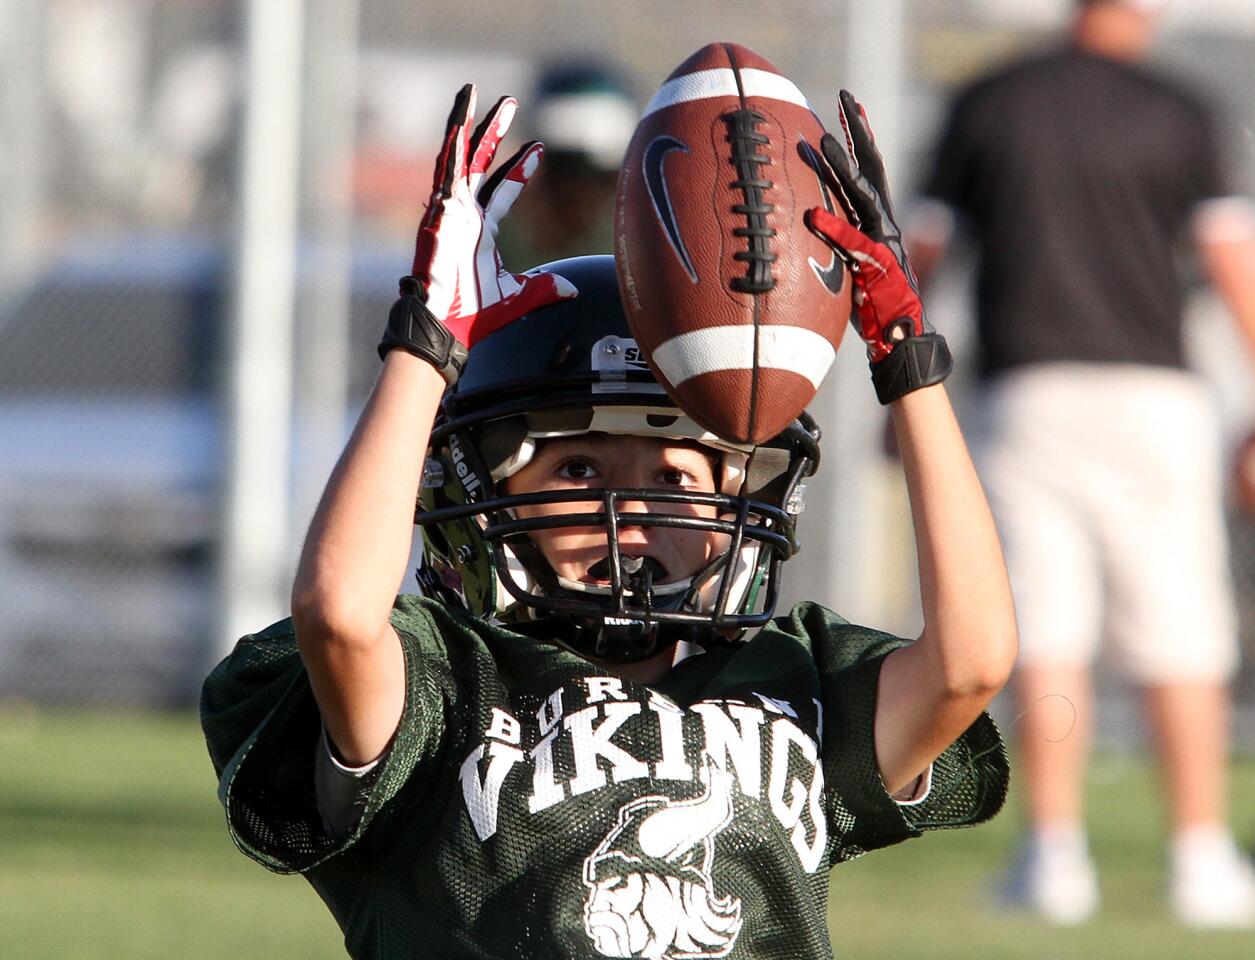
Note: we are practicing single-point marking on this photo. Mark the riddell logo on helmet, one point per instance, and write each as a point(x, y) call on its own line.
point(466, 476)
point(622, 621)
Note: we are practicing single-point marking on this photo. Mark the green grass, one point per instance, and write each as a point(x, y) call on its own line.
point(112, 845)
point(933, 897)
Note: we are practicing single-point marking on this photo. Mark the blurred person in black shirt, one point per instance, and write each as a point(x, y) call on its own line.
point(1080, 171)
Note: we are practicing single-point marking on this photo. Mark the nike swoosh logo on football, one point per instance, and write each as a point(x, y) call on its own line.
point(656, 183)
point(833, 275)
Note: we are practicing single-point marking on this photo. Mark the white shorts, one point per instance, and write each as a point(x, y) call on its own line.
point(1106, 484)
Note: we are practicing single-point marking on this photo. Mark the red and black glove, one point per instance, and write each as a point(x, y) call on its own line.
point(904, 351)
point(459, 291)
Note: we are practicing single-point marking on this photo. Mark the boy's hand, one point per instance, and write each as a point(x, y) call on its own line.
point(904, 351)
point(459, 291)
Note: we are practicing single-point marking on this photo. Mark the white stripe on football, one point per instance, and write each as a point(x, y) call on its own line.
point(707, 84)
point(711, 349)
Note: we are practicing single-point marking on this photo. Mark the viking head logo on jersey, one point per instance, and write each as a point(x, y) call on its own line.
point(650, 890)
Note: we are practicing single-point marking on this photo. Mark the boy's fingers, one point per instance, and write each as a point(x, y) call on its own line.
point(863, 145)
point(844, 98)
point(859, 193)
point(489, 134)
point(838, 158)
point(447, 170)
point(499, 191)
point(446, 160)
point(857, 131)
point(462, 156)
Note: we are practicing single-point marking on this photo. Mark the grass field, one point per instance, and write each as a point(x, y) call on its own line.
point(112, 846)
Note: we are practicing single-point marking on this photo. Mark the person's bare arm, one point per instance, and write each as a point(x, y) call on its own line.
point(1225, 238)
point(933, 689)
point(359, 542)
point(1230, 263)
point(354, 557)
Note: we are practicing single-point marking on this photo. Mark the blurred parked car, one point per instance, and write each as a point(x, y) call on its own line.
point(111, 446)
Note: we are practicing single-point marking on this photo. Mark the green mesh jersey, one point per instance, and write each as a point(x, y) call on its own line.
point(532, 805)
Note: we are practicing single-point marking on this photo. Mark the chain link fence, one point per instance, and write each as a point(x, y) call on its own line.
point(119, 122)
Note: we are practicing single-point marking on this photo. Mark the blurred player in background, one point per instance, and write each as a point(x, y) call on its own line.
point(585, 115)
point(1079, 171)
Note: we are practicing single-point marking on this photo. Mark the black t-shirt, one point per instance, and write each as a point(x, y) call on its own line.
point(1078, 174)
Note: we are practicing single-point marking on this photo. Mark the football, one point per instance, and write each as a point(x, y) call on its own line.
point(737, 305)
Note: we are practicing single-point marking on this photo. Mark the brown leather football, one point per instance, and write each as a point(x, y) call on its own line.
point(737, 305)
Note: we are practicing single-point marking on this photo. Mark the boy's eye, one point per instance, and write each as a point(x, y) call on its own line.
point(675, 477)
point(576, 470)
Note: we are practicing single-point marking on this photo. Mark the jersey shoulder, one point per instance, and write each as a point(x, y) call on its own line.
point(436, 627)
point(834, 642)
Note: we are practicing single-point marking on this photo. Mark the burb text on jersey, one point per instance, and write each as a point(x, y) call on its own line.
point(595, 733)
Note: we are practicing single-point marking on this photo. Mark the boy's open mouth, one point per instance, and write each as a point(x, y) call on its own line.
point(599, 572)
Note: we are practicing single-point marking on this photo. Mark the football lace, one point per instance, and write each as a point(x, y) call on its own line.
point(749, 159)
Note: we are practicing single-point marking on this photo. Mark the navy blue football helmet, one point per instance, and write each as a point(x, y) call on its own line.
point(573, 368)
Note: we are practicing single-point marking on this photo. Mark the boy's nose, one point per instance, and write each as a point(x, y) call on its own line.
point(630, 533)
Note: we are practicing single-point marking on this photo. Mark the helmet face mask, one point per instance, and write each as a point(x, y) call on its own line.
point(565, 371)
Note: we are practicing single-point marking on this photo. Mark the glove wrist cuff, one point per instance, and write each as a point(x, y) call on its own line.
point(915, 363)
point(413, 328)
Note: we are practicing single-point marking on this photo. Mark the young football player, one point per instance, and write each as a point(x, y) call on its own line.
point(589, 737)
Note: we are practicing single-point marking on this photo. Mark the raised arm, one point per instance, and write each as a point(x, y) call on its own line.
point(358, 544)
point(930, 691)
